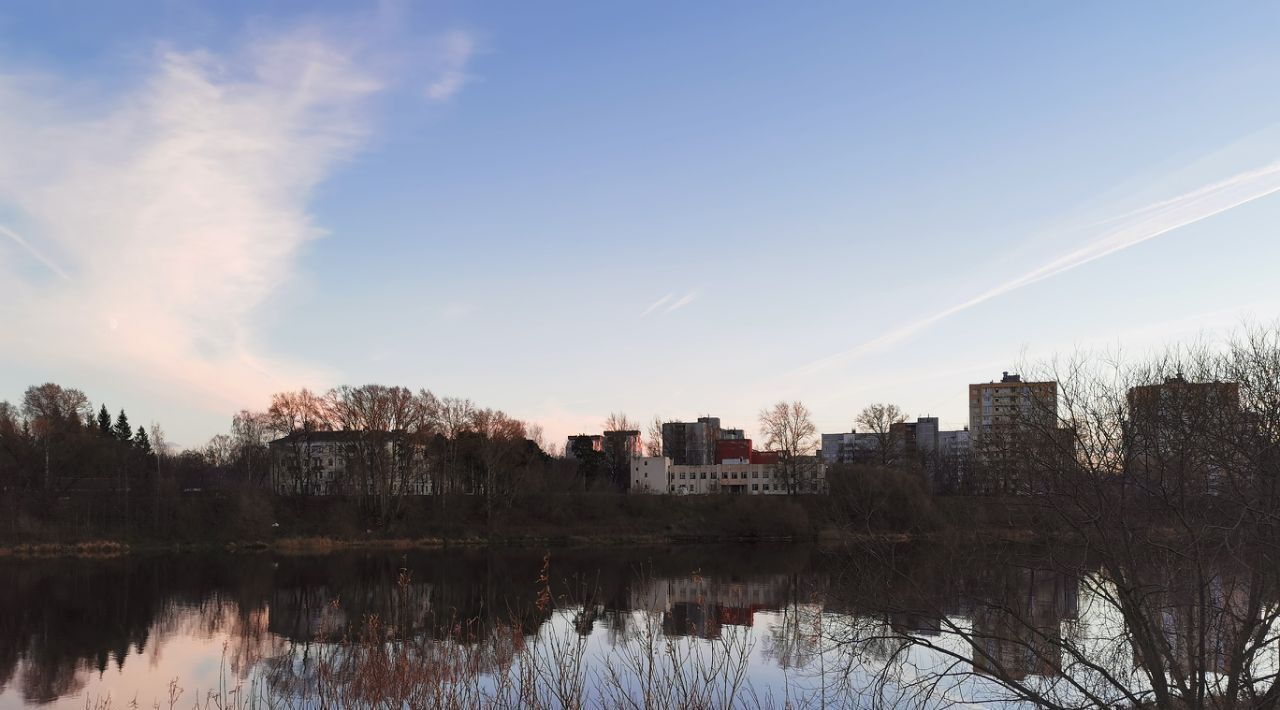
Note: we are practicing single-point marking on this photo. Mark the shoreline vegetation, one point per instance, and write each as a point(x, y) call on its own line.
point(631, 520)
point(90, 549)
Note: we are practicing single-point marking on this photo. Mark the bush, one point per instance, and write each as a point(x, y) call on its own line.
point(876, 499)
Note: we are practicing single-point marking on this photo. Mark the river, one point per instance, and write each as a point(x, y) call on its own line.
point(775, 624)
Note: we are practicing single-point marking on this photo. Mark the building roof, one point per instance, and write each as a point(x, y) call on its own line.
point(318, 437)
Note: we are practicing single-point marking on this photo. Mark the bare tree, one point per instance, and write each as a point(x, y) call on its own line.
point(303, 410)
point(385, 423)
point(451, 417)
point(653, 442)
point(53, 411)
point(881, 421)
point(1158, 481)
point(296, 417)
point(788, 428)
point(618, 421)
point(502, 438)
point(220, 451)
point(535, 434)
point(250, 430)
point(621, 443)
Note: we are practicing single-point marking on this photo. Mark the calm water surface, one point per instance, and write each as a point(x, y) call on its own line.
point(73, 630)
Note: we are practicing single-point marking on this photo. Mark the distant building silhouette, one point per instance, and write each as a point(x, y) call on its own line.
point(1176, 431)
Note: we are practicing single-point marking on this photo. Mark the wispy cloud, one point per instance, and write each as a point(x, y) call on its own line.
point(1119, 233)
point(657, 304)
point(456, 50)
point(174, 210)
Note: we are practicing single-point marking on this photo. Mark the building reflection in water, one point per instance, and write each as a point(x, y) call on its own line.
point(274, 612)
point(1018, 632)
point(699, 605)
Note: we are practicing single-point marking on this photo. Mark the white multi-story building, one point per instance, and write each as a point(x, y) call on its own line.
point(656, 474)
point(345, 462)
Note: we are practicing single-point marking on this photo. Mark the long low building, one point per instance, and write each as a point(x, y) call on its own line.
point(657, 475)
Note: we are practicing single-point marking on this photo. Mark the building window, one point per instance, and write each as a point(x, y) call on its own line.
point(755, 486)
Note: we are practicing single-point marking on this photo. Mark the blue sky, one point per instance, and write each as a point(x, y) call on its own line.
point(564, 210)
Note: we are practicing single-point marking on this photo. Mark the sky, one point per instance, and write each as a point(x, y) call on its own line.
point(676, 209)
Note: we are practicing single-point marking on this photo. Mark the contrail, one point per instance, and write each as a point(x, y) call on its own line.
point(657, 304)
point(684, 301)
point(1136, 227)
point(33, 251)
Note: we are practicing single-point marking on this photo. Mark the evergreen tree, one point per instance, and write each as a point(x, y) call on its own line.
point(141, 441)
point(122, 430)
point(104, 422)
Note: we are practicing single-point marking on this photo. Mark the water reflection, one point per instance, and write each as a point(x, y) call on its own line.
point(70, 629)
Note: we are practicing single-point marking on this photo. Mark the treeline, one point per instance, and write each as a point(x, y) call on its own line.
point(53, 443)
point(67, 472)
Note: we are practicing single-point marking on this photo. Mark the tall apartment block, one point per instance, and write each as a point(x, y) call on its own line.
point(1181, 436)
point(1010, 421)
point(998, 409)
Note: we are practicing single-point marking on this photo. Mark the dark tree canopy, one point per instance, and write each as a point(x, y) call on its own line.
point(122, 430)
point(104, 422)
point(141, 441)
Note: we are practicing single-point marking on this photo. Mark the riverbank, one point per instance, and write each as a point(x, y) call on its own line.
point(245, 522)
point(828, 540)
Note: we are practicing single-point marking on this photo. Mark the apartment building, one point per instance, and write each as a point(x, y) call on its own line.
point(339, 463)
point(1014, 428)
point(1182, 437)
point(848, 447)
point(923, 436)
point(997, 409)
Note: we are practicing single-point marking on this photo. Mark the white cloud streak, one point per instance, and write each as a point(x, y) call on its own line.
point(657, 304)
point(1128, 230)
point(35, 253)
point(684, 301)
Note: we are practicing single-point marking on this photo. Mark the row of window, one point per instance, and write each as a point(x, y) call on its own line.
point(762, 487)
point(694, 475)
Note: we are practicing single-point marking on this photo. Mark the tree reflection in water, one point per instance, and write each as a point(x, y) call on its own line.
point(890, 625)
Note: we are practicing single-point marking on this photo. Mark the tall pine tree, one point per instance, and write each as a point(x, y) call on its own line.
point(122, 430)
point(141, 441)
point(104, 422)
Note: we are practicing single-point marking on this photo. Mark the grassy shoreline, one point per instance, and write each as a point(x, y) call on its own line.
point(101, 549)
point(246, 522)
